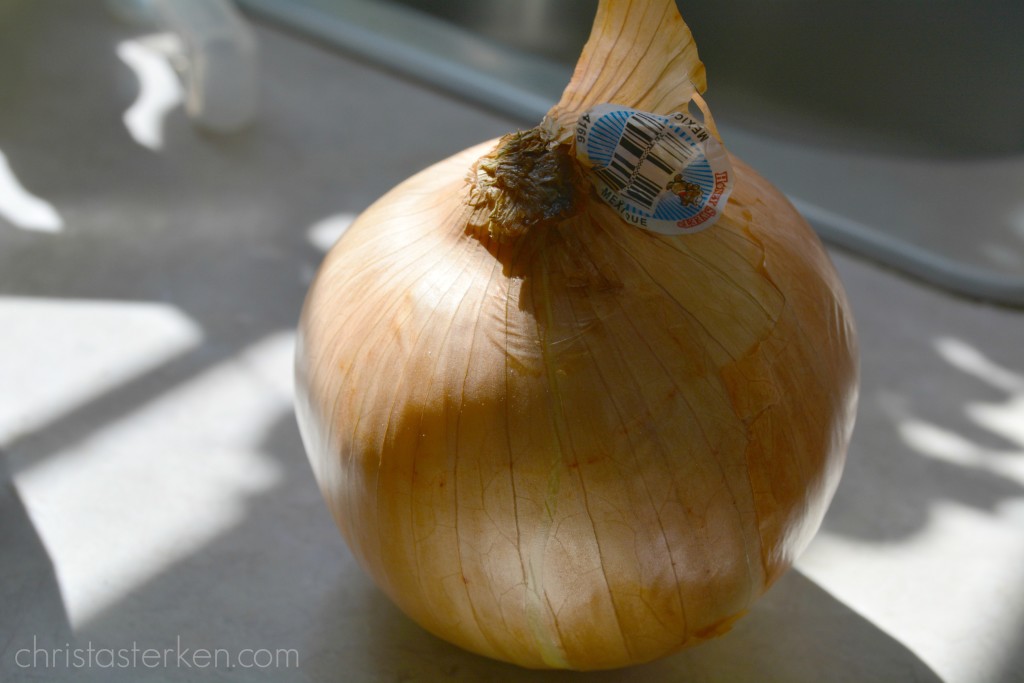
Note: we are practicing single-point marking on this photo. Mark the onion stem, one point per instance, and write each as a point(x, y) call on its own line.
point(528, 181)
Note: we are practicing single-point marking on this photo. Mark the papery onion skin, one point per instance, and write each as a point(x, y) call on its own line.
point(587, 447)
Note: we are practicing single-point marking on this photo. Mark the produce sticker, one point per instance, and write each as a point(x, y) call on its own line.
point(666, 174)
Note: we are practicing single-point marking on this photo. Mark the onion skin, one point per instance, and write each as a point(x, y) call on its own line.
point(585, 448)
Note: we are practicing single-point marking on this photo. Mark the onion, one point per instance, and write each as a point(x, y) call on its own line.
point(558, 439)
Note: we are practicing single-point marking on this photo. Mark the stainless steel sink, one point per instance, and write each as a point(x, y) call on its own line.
point(896, 128)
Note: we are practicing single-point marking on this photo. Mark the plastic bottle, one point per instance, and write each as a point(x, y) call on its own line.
point(221, 67)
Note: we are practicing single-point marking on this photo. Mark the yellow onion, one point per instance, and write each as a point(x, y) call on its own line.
point(555, 438)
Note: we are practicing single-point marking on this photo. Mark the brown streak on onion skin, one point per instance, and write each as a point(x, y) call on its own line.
point(735, 408)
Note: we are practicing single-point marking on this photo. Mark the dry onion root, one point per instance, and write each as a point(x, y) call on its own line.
point(555, 438)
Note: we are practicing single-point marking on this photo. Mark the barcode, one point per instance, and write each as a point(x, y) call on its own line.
point(646, 157)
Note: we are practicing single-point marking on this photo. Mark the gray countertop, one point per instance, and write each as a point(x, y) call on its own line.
point(156, 494)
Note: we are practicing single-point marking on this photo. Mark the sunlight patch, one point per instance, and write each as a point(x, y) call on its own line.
point(160, 90)
point(23, 209)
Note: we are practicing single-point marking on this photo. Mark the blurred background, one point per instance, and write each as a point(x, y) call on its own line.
point(172, 173)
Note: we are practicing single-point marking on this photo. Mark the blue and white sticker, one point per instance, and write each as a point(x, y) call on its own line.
point(667, 174)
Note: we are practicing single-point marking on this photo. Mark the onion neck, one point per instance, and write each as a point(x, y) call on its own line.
point(528, 182)
point(640, 54)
